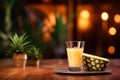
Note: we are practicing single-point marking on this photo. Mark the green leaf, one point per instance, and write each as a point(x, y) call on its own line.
point(18, 43)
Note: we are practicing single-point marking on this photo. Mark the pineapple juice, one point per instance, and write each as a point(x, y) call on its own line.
point(74, 57)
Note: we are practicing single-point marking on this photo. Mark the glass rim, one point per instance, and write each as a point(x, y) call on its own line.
point(75, 41)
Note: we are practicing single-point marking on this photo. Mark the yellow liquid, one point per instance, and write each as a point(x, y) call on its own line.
point(74, 57)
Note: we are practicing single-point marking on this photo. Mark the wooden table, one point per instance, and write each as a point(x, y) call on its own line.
point(45, 71)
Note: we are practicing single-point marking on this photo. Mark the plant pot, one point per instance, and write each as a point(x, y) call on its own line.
point(33, 62)
point(59, 52)
point(19, 60)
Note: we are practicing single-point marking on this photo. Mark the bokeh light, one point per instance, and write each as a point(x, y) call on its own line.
point(85, 14)
point(104, 16)
point(111, 49)
point(83, 20)
point(52, 19)
point(117, 18)
point(46, 37)
point(83, 24)
point(112, 31)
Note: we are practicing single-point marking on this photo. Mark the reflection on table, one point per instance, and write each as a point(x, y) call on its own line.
point(45, 71)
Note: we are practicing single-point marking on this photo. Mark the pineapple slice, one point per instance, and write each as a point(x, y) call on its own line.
point(94, 63)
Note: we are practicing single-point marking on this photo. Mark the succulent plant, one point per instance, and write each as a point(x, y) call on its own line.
point(18, 44)
point(34, 53)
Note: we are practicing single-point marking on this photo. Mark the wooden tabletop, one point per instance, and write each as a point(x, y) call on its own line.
point(45, 71)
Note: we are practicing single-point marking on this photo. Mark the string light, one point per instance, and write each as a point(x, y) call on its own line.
point(112, 31)
point(104, 16)
point(117, 18)
point(111, 49)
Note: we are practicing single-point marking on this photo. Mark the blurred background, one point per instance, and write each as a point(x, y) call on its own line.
point(49, 23)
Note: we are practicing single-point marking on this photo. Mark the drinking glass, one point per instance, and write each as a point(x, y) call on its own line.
point(74, 54)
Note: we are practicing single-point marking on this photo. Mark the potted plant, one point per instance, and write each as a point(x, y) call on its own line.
point(59, 36)
point(18, 46)
point(34, 56)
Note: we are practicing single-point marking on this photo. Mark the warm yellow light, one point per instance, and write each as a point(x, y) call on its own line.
point(112, 31)
point(46, 37)
point(84, 20)
point(84, 14)
point(52, 19)
point(83, 24)
point(104, 16)
point(117, 18)
point(111, 49)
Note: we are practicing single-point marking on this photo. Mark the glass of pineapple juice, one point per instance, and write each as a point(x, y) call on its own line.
point(74, 54)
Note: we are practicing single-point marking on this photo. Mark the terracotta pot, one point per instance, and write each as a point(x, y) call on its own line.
point(33, 62)
point(19, 60)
